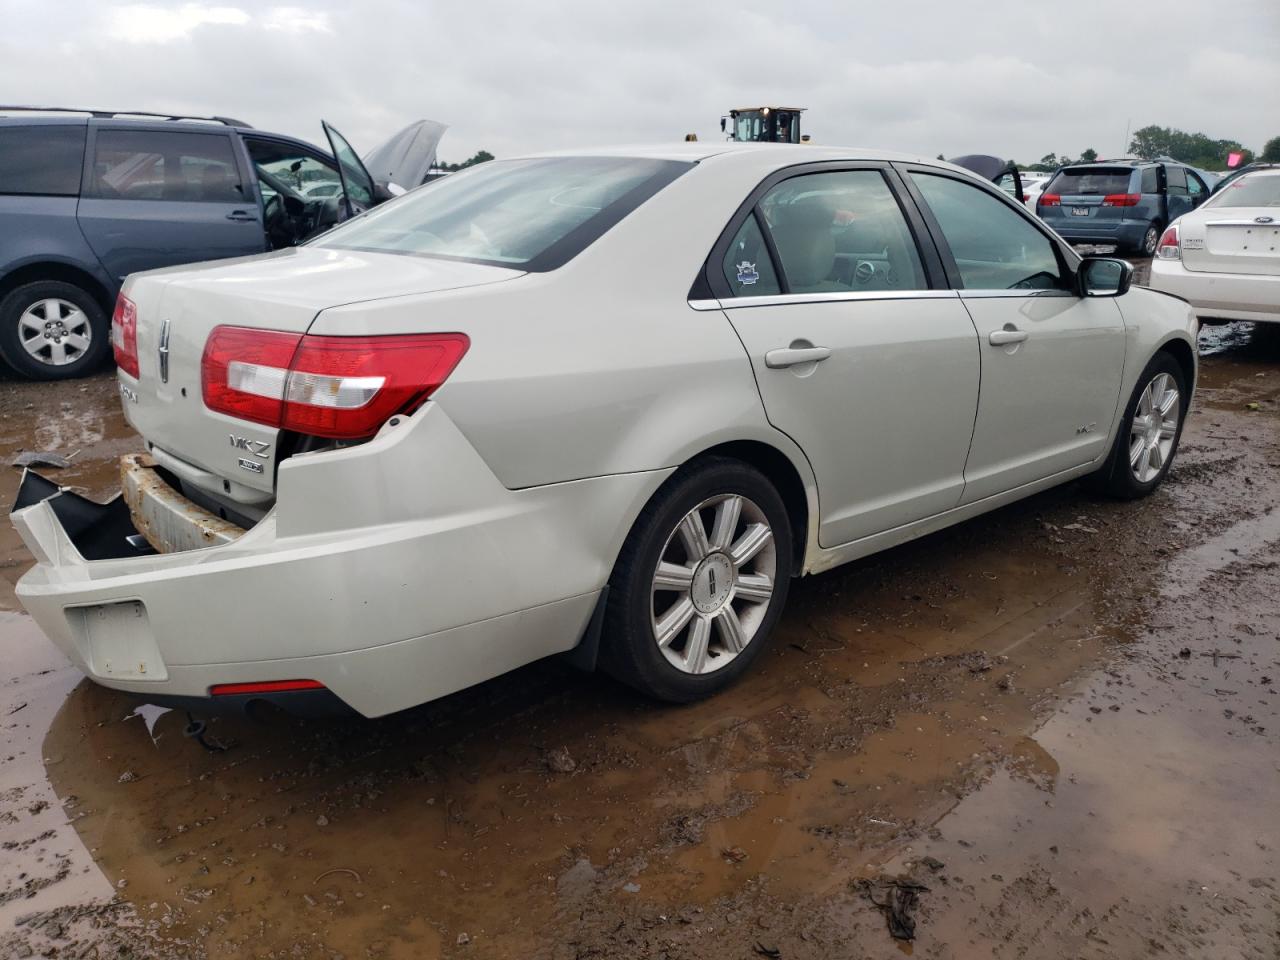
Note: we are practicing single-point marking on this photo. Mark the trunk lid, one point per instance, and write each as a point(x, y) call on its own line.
point(234, 460)
point(1243, 240)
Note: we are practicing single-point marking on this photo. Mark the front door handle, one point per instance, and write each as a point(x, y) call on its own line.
point(241, 215)
point(1010, 334)
point(793, 356)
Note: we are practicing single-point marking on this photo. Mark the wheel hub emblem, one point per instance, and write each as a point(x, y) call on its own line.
point(712, 583)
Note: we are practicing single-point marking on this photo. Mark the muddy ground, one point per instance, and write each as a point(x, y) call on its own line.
point(1055, 727)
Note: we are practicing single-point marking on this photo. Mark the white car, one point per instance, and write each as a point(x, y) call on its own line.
point(1224, 257)
point(608, 403)
point(1032, 186)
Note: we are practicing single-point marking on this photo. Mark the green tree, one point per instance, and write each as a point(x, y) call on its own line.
point(1088, 156)
point(482, 156)
point(1197, 149)
point(1271, 151)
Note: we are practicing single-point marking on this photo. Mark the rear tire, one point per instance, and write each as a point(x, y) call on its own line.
point(689, 611)
point(53, 330)
point(1148, 437)
point(1150, 240)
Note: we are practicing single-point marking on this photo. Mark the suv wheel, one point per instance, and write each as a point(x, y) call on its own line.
point(1148, 436)
point(699, 584)
point(1150, 239)
point(51, 330)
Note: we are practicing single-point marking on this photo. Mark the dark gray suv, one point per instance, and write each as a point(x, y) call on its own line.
point(1126, 202)
point(88, 197)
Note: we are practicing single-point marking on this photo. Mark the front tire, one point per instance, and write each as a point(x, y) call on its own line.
point(699, 583)
point(1148, 437)
point(52, 330)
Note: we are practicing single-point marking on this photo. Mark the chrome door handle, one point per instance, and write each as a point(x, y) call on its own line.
point(1010, 334)
point(793, 356)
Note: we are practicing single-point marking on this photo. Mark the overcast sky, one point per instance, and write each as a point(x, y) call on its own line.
point(1016, 79)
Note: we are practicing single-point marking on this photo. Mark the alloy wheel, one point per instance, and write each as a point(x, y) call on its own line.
point(1150, 240)
point(713, 583)
point(54, 331)
point(1154, 427)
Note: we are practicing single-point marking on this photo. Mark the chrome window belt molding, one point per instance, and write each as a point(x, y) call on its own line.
point(785, 299)
point(788, 299)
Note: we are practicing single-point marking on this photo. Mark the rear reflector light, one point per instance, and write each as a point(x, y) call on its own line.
point(1169, 247)
point(1121, 199)
point(124, 335)
point(263, 686)
point(1050, 200)
point(340, 387)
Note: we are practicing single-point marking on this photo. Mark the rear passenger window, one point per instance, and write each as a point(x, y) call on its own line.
point(747, 266)
point(841, 232)
point(1150, 181)
point(995, 247)
point(147, 165)
point(41, 159)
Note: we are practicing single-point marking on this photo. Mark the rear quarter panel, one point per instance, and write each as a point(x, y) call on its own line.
point(37, 229)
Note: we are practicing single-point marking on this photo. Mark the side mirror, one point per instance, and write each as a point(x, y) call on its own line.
point(723, 122)
point(1104, 277)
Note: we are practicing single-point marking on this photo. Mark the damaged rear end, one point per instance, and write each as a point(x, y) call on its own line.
point(192, 585)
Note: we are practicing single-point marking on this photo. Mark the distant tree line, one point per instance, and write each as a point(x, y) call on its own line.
point(481, 156)
point(1196, 149)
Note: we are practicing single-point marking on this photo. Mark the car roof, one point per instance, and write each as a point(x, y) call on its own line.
point(786, 154)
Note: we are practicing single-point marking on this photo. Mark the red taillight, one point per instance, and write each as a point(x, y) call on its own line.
point(1050, 200)
point(341, 387)
point(263, 686)
point(1121, 199)
point(1169, 247)
point(124, 335)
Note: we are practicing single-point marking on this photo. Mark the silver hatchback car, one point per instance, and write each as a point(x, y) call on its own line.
point(607, 402)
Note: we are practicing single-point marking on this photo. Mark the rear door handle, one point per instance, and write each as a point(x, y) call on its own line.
point(1010, 334)
point(241, 215)
point(793, 356)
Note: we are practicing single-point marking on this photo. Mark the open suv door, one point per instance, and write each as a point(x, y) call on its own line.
point(357, 185)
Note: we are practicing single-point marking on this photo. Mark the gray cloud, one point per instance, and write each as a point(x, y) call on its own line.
point(1010, 78)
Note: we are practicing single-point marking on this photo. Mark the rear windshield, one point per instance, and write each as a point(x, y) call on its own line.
point(1088, 181)
point(532, 214)
point(1256, 191)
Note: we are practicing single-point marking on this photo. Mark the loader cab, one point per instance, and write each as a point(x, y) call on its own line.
point(763, 125)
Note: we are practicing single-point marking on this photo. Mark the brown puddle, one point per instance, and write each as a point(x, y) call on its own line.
point(943, 711)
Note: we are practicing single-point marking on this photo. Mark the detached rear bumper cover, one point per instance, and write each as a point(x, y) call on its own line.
point(393, 573)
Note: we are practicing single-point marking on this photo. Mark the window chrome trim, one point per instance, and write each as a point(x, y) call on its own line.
point(795, 299)
point(996, 294)
point(704, 304)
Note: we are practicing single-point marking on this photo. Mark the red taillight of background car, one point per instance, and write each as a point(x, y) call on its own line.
point(1050, 200)
point(124, 335)
point(339, 387)
point(1169, 247)
point(1121, 199)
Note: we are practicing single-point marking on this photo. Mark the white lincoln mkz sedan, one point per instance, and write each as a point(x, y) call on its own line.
point(607, 403)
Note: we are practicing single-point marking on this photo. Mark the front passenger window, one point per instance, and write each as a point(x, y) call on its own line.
point(994, 247)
